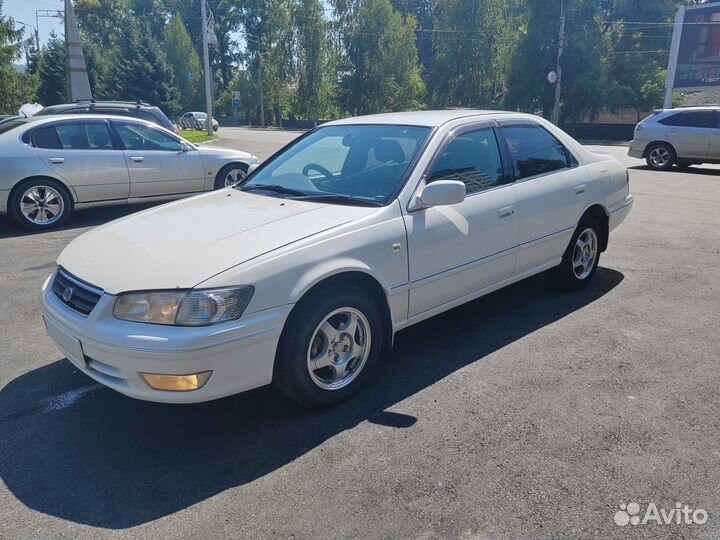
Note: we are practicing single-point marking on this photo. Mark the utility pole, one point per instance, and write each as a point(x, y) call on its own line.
point(206, 66)
point(561, 42)
point(260, 84)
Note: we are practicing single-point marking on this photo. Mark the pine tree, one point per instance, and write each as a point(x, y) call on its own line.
point(51, 70)
point(142, 72)
point(184, 61)
point(15, 88)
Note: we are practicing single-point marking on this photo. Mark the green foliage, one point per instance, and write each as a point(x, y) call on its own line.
point(15, 88)
point(469, 66)
point(141, 71)
point(51, 70)
point(381, 71)
point(366, 56)
point(185, 64)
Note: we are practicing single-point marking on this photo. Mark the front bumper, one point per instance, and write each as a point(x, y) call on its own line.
point(240, 354)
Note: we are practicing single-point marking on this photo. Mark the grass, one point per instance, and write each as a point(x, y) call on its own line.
point(195, 136)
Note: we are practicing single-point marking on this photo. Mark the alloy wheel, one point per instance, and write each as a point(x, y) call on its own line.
point(584, 253)
point(42, 205)
point(339, 348)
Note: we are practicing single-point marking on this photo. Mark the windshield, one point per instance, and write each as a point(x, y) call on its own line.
point(342, 164)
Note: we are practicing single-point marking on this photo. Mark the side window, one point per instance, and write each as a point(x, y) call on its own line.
point(85, 136)
point(472, 158)
point(142, 137)
point(535, 151)
point(697, 119)
point(46, 137)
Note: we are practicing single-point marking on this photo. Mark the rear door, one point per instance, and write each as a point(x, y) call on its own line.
point(552, 191)
point(690, 132)
point(85, 154)
point(157, 163)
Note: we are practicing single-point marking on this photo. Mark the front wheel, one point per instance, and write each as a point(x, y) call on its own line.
point(329, 346)
point(40, 204)
point(581, 258)
point(231, 175)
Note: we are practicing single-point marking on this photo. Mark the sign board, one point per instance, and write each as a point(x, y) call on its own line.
point(694, 61)
point(236, 99)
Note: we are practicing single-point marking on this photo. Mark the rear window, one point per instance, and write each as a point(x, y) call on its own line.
point(12, 124)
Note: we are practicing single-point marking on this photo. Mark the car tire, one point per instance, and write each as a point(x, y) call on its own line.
point(40, 204)
point(581, 258)
point(233, 170)
point(660, 156)
point(318, 362)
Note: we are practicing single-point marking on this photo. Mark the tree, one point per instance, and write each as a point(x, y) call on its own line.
point(315, 69)
point(381, 71)
point(469, 68)
point(51, 70)
point(15, 88)
point(142, 72)
point(185, 64)
point(638, 57)
point(583, 77)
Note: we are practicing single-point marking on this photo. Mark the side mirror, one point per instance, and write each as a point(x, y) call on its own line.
point(185, 147)
point(442, 193)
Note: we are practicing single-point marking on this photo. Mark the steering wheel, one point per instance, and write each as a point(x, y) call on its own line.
point(319, 168)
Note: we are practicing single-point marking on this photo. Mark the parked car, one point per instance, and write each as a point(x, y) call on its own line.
point(301, 274)
point(54, 164)
point(682, 137)
point(5, 118)
point(197, 120)
point(136, 109)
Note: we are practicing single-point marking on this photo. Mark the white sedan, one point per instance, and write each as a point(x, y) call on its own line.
point(55, 164)
point(302, 274)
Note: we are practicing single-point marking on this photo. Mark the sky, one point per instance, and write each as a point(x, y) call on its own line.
point(24, 10)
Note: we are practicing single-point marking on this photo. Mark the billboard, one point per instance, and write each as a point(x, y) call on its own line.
point(698, 52)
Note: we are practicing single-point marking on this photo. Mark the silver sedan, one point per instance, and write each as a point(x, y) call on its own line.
point(52, 165)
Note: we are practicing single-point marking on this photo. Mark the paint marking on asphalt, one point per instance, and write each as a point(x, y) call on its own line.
point(53, 403)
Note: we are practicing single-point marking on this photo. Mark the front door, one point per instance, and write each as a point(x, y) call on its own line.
point(157, 163)
point(457, 250)
point(83, 153)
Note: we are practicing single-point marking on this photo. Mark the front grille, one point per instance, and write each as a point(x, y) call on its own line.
point(75, 293)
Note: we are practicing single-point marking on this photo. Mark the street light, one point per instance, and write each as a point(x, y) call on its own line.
point(37, 35)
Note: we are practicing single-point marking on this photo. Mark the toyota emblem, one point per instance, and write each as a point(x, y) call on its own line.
point(67, 294)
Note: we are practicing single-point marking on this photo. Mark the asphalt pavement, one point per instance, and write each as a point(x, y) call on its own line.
point(527, 414)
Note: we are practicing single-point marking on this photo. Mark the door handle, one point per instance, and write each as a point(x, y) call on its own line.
point(506, 212)
point(136, 159)
point(579, 190)
point(716, 132)
point(673, 130)
point(57, 160)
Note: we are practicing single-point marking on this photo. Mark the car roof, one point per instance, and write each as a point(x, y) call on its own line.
point(108, 104)
point(417, 118)
point(694, 108)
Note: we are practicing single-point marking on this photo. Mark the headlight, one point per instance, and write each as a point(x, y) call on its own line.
point(184, 308)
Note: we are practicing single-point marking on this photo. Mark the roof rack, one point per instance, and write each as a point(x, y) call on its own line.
point(138, 103)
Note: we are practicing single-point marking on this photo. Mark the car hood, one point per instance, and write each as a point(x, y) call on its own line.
point(182, 244)
point(226, 153)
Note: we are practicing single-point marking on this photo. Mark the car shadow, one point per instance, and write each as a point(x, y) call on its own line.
point(109, 461)
point(87, 217)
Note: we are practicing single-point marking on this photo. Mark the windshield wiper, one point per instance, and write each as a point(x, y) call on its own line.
point(276, 188)
point(337, 198)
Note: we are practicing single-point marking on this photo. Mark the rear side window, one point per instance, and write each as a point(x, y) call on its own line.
point(696, 119)
point(85, 136)
point(472, 158)
point(46, 137)
point(535, 151)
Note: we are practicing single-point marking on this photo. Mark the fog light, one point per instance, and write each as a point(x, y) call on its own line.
point(177, 383)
